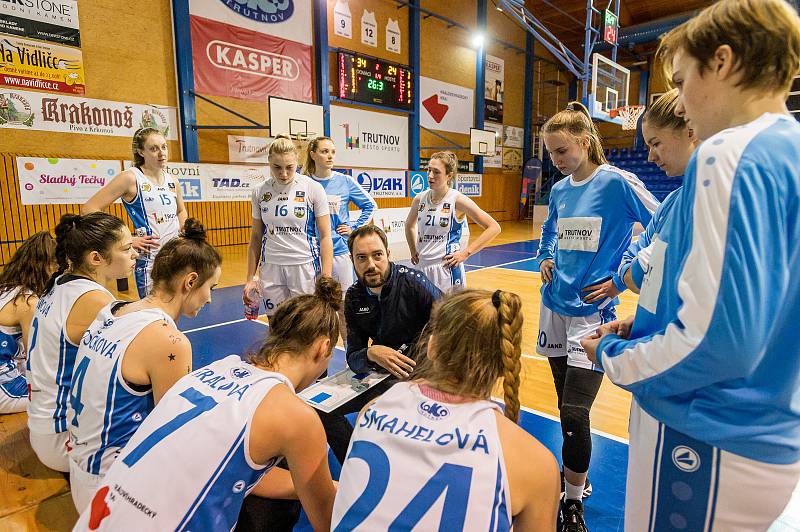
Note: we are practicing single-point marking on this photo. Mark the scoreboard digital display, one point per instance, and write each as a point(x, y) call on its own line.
point(369, 80)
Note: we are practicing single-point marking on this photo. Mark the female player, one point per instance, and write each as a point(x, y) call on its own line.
point(712, 359)
point(671, 144)
point(22, 282)
point(434, 223)
point(341, 189)
point(152, 198)
point(588, 227)
point(440, 432)
point(91, 251)
point(132, 354)
point(289, 211)
point(219, 430)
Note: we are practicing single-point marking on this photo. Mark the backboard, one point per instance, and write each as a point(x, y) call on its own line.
point(482, 142)
point(609, 89)
point(300, 120)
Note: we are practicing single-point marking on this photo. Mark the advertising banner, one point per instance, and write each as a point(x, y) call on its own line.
point(51, 181)
point(445, 107)
point(368, 139)
point(470, 184)
point(252, 150)
point(71, 114)
point(285, 19)
point(417, 183)
point(512, 160)
point(40, 65)
point(46, 20)
point(382, 183)
point(497, 160)
point(244, 64)
point(494, 87)
point(513, 136)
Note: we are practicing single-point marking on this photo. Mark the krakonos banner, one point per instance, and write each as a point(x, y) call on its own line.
point(368, 139)
point(72, 114)
point(47, 20)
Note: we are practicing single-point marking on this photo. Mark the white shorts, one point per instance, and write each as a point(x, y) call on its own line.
point(14, 396)
point(343, 271)
point(83, 486)
point(52, 449)
point(561, 335)
point(279, 283)
point(446, 279)
point(678, 483)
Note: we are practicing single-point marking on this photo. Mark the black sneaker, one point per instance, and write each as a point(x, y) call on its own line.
point(572, 516)
point(587, 488)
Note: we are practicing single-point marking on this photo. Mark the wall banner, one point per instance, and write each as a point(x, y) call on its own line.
point(51, 181)
point(494, 87)
point(513, 136)
point(39, 65)
point(470, 184)
point(251, 150)
point(71, 114)
point(382, 183)
point(497, 160)
point(47, 20)
point(445, 107)
point(366, 138)
point(417, 183)
point(284, 19)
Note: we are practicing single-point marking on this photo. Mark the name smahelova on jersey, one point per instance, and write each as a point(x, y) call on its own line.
point(222, 383)
point(463, 439)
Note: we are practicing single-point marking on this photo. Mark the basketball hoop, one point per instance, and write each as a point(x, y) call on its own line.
point(629, 114)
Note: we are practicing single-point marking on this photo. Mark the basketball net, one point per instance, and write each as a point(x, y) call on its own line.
point(629, 114)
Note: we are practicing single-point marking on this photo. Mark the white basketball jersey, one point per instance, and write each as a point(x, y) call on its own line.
point(104, 411)
point(51, 356)
point(421, 464)
point(289, 214)
point(188, 466)
point(438, 229)
point(154, 210)
point(11, 348)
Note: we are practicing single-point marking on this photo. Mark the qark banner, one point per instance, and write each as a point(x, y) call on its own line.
point(244, 64)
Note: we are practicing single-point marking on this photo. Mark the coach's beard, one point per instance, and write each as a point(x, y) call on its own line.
point(374, 278)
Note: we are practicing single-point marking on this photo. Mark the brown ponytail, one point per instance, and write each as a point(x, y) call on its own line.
point(577, 121)
point(310, 167)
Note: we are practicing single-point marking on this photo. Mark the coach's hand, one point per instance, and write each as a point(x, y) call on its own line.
point(391, 360)
point(546, 268)
point(600, 292)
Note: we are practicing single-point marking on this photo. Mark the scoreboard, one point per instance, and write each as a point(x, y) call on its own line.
point(370, 80)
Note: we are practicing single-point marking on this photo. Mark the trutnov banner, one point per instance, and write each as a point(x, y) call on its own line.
point(39, 65)
point(244, 64)
point(286, 19)
point(51, 181)
point(72, 114)
point(366, 138)
point(251, 150)
point(46, 20)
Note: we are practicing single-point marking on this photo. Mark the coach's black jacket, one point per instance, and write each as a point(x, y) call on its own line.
point(395, 317)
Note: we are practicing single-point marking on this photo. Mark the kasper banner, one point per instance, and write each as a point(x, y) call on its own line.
point(244, 64)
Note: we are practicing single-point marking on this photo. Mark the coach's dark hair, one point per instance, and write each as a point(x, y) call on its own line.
point(29, 267)
point(299, 321)
point(366, 230)
point(77, 236)
point(190, 252)
point(139, 138)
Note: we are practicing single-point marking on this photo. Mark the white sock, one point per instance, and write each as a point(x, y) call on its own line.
point(573, 492)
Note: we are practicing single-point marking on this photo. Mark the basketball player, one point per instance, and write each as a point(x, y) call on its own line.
point(341, 189)
point(434, 226)
point(22, 281)
point(217, 433)
point(132, 354)
point(712, 359)
point(91, 251)
point(440, 436)
point(152, 198)
point(589, 225)
point(671, 144)
point(289, 211)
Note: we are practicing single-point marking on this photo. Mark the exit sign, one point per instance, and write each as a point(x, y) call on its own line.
point(610, 28)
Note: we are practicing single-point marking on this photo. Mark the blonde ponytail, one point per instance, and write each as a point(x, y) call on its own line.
point(509, 314)
point(577, 121)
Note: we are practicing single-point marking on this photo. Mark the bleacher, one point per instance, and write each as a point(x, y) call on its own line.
point(635, 160)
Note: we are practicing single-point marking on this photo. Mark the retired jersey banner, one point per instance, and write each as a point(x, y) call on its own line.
point(47, 20)
point(49, 181)
point(40, 65)
point(240, 63)
point(70, 114)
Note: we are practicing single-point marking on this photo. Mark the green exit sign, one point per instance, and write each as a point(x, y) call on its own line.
point(610, 27)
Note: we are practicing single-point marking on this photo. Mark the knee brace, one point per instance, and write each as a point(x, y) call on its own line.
point(577, 449)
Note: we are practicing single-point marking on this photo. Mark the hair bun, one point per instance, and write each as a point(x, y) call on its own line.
point(67, 224)
point(193, 230)
point(330, 291)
